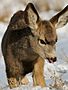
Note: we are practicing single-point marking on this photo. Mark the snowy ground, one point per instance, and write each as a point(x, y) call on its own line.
point(56, 75)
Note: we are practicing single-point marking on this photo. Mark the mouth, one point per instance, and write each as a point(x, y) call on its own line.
point(52, 60)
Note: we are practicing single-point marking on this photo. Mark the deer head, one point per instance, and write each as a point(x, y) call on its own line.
point(45, 37)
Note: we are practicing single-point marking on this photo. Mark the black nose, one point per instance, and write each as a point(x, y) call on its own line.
point(54, 59)
point(51, 60)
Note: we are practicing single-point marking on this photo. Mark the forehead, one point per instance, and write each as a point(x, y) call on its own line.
point(49, 30)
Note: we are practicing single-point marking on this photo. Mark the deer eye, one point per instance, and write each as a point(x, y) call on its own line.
point(42, 42)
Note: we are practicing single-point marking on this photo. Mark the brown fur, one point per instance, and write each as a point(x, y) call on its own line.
point(27, 41)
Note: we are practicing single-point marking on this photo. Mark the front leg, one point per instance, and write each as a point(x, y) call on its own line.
point(38, 77)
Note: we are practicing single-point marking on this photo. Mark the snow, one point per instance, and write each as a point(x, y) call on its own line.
point(57, 72)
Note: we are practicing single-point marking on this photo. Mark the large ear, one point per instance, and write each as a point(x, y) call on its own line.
point(61, 18)
point(23, 19)
point(31, 16)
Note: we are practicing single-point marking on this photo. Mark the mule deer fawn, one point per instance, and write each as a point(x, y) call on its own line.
point(29, 40)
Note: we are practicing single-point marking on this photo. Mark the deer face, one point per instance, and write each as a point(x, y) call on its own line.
point(45, 41)
point(45, 38)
